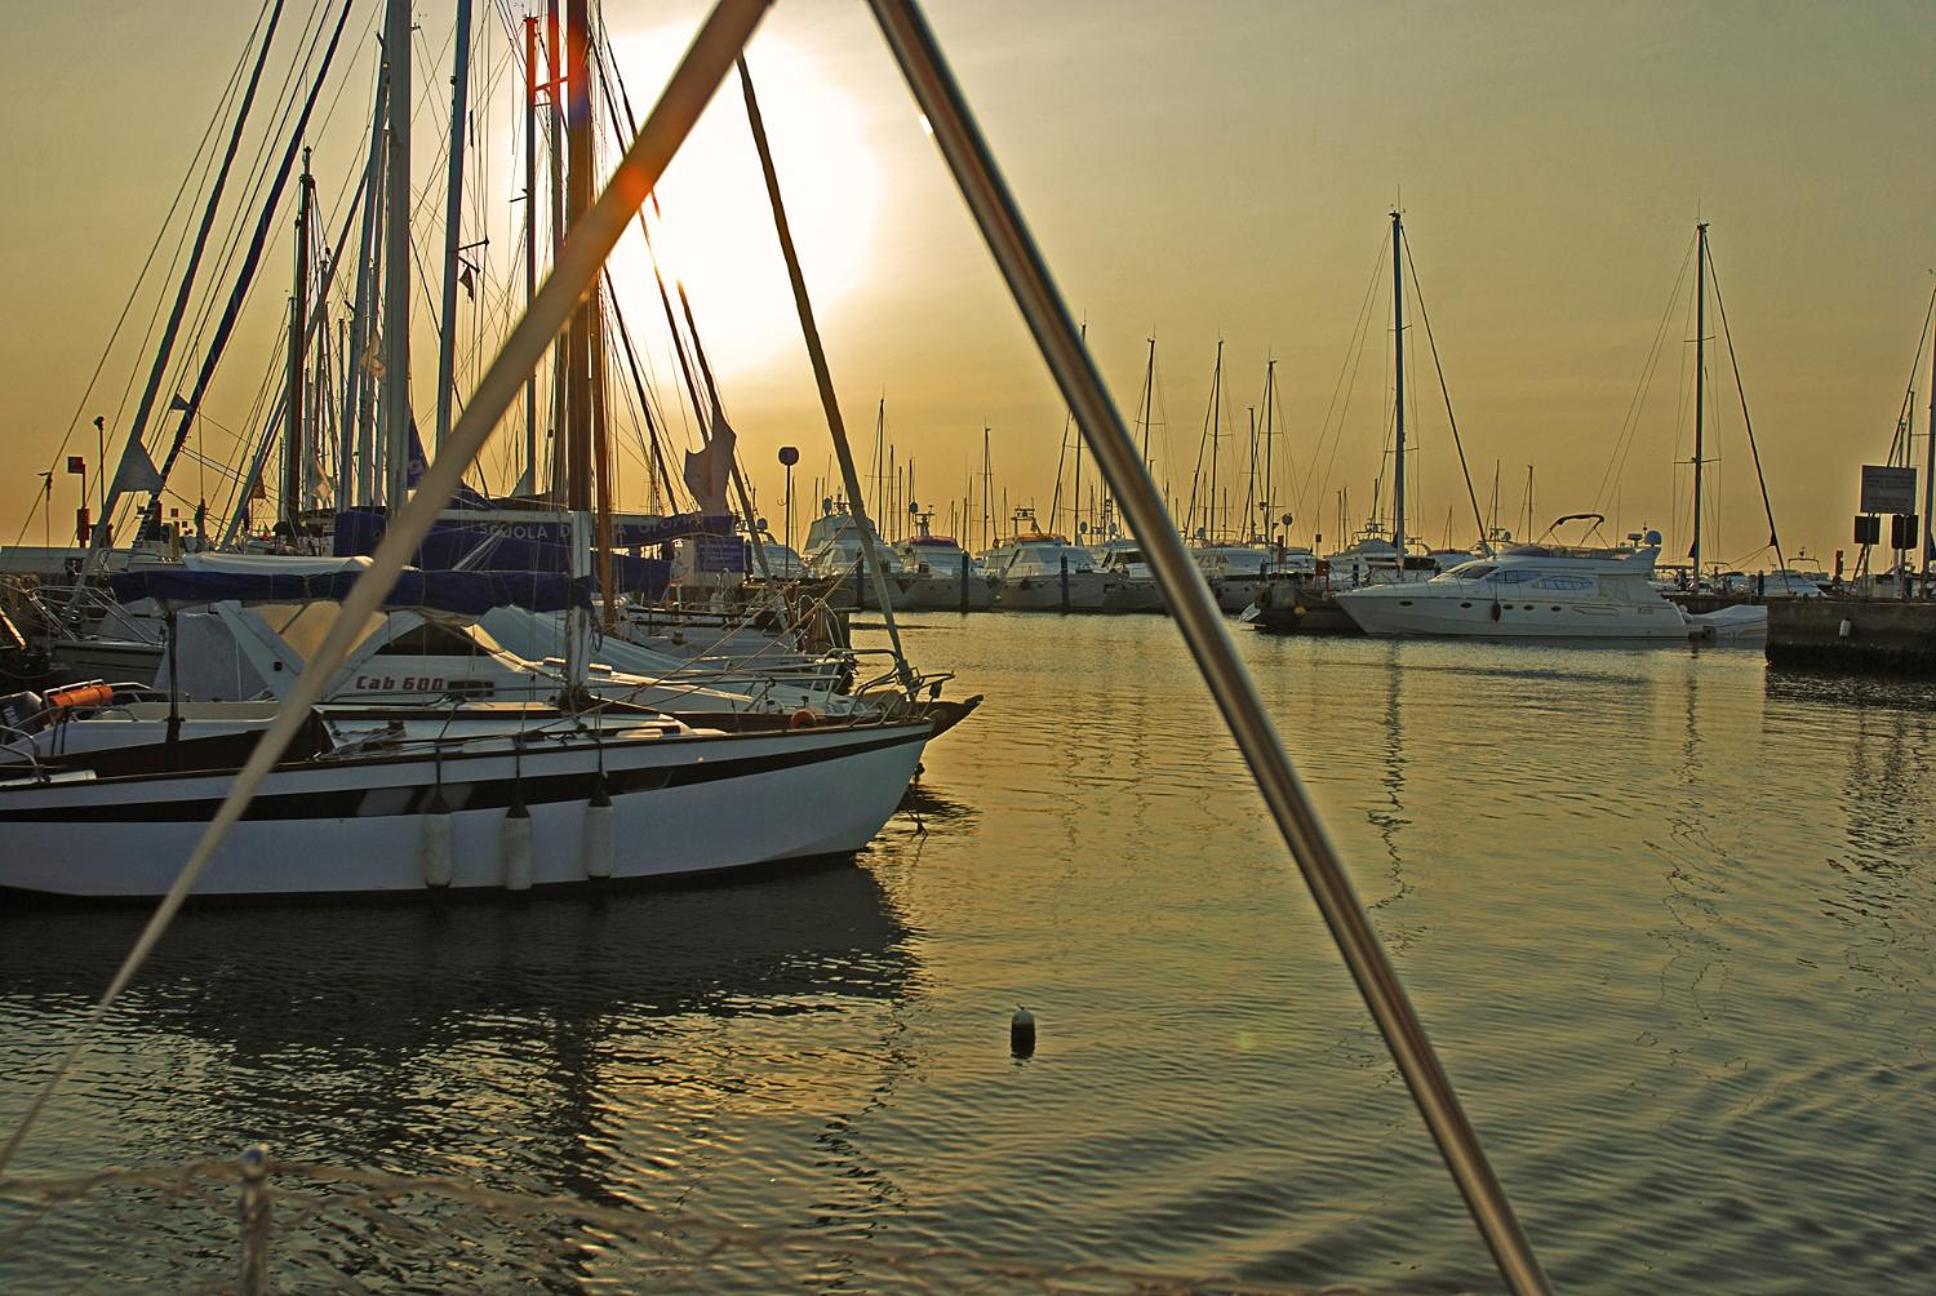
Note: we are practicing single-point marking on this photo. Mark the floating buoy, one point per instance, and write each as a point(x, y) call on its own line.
point(517, 847)
point(601, 834)
point(437, 866)
point(1021, 1033)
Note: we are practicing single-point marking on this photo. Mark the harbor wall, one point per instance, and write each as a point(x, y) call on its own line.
point(1871, 636)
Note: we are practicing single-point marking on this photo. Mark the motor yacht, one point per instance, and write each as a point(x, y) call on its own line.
point(1543, 592)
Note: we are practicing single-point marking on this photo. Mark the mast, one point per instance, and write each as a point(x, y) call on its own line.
point(1216, 435)
point(460, 91)
point(1149, 398)
point(353, 482)
point(1268, 505)
point(295, 441)
point(529, 482)
point(1700, 384)
point(578, 200)
point(987, 487)
point(395, 391)
point(556, 156)
point(1398, 389)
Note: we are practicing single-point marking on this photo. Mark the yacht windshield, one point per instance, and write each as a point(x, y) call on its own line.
point(1472, 571)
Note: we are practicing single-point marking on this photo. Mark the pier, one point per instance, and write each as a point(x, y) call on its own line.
point(1860, 635)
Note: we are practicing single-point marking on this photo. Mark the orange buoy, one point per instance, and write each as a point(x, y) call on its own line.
point(80, 695)
point(802, 719)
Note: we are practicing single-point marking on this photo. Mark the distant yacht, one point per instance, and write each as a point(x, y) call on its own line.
point(833, 551)
point(1040, 571)
point(1131, 585)
point(939, 575)
point(1542, 592)
point(1239, 574)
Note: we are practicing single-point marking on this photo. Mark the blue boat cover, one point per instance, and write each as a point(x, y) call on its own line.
point(466, 593)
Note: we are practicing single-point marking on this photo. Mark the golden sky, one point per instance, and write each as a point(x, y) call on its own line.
point(1193, 171)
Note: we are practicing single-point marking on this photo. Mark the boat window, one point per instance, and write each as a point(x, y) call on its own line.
point(1555, 581)
point(430, 639)
point(1513, 576)
point(1468, 572)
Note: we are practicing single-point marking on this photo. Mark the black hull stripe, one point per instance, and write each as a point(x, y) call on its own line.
point(490, 794)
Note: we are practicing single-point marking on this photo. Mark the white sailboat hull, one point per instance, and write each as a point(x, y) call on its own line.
point(681, 805)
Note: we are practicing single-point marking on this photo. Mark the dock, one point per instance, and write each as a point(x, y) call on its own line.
point(1867, 636)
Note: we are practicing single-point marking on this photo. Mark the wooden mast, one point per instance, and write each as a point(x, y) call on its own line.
point(295, 441)
point(396, 263)
point(460, 91)
point(528, 483)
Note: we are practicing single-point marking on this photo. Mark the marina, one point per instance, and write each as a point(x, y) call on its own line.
point(509, 782)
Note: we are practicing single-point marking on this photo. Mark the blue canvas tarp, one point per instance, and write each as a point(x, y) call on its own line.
point(466, 593)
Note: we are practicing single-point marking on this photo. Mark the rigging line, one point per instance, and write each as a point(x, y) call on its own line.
point(706, 63)
point(638, 381)
point(1346, 382)
point(1774, 537)
point(172, 329)
point(1038, 300)
point(1630, 425)
point(287, 97)
point(1915, 367)
point(225, 329)
point(195, 163)
point(1425, 318)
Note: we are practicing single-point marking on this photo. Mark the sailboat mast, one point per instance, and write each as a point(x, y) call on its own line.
point(1398, 389)
point(1268, 505)
point(354, 484)
point(460, 91)
point(396, 263)
point(529, 482)
point(1149, 398)
point(578, 200)
point(1700, 385)
point(987, 487)
point(555, 156)
point(1216, 435)
point(295, 441)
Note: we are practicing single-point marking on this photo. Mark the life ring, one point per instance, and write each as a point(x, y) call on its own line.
point(802, 719)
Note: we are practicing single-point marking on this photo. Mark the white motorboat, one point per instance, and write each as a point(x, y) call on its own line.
point(1370, 558)
point(1130, 585)
point(939, 575)
point(1542, 592)
point(1038, 571)
point(833, 552)
point(482, 796)
point(1239, 574)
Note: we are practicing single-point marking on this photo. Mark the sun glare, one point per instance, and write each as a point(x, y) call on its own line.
point(715, 229)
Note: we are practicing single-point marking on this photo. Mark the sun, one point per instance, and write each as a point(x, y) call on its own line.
point(714, 230)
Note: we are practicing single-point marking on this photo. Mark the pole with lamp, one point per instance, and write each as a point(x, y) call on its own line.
point(789, 456)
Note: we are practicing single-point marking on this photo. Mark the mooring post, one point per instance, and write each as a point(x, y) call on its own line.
point(1065, 582)
point(254, 1215)
point(964, 580)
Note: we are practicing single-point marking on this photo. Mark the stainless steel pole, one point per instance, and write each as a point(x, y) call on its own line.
point(1203, 628)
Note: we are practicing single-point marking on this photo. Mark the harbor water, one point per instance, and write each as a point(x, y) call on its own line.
point(1667, 914)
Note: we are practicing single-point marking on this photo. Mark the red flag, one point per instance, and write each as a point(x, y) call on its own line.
point(76, 464)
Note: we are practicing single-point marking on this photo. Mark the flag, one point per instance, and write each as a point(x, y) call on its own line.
point(179, 405)
point(708, 472)
point(76, 464)
point(137, 471)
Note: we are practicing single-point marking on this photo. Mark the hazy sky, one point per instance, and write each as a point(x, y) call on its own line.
point(1192, 171)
